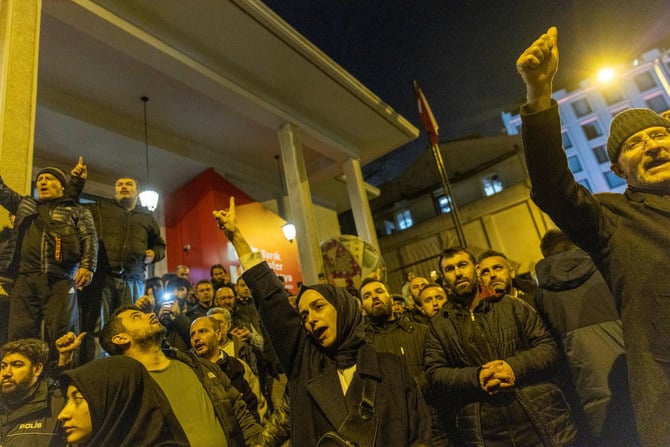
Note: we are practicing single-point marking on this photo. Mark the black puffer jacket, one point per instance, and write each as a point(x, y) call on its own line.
point(68, 240)
point(507, 329)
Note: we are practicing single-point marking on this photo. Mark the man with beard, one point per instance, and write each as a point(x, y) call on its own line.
point(497, 274)
point(130, 240)
point(209, 409)
point(491, 365)
point(28, 404)
point(206, 336)
point(388, 333)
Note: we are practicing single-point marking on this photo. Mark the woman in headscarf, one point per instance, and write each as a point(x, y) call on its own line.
point(113, 402)
point(322, 349)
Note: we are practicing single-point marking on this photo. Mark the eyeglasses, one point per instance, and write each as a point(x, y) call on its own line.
point(639, 141)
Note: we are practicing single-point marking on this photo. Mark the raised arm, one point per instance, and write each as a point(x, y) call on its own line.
point(280, 320)
point(537, 66)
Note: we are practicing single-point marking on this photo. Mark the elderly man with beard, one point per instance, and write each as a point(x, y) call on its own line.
point(210, 410)
point(491, 363)
point(28, 404)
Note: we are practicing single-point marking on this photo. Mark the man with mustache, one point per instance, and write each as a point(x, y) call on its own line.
point(130, 240)
point(626, 234)
point(491, 364)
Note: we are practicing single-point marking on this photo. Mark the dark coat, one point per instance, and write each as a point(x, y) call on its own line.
point(575, 302)
point(124, 238)
point(627, 237)
point(506, 329)
point(400, 409)
point(404, 338)
point(34, 423)
point(69, 227)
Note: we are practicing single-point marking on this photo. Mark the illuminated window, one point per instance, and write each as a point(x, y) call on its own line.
point(443, 204)
point(404, 219)
point(491, 185)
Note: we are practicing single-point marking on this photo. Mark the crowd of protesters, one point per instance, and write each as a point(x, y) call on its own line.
point(96, 354)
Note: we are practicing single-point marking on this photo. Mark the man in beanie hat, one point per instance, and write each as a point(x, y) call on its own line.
point(626, 235)
point(56, 253)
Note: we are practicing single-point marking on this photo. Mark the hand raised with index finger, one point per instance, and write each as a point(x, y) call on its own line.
point(227, 219)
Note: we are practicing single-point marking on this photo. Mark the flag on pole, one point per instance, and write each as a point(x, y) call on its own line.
point(427, 118)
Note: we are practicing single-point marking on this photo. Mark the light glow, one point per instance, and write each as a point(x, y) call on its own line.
point(606, 75)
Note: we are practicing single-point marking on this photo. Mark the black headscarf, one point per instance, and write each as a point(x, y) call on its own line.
point(127, 407)
point(350, 327)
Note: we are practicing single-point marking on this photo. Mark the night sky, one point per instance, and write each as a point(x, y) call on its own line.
point(463, 53)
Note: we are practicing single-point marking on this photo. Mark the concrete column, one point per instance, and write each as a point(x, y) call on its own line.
point(365, 226)
point(19, 48)
point(300, 201)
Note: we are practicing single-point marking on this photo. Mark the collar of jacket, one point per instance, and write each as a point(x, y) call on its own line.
point(650, 200)
point(456, 308)
point(404, 323)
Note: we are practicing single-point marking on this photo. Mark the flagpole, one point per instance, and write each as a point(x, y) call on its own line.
point(431, 127)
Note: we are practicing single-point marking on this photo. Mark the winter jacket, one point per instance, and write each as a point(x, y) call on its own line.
point(404, 338)
point(503, 328)
point(124, 238)
point(575, 302)
point(627, 237)
point(68, 240)
point(34, 423)
point(238, 423)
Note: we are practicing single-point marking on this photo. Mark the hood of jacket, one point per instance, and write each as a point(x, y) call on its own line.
point(565, 271)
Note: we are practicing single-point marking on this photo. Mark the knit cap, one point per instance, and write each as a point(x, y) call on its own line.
point(627, 123)
point(60, 175)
